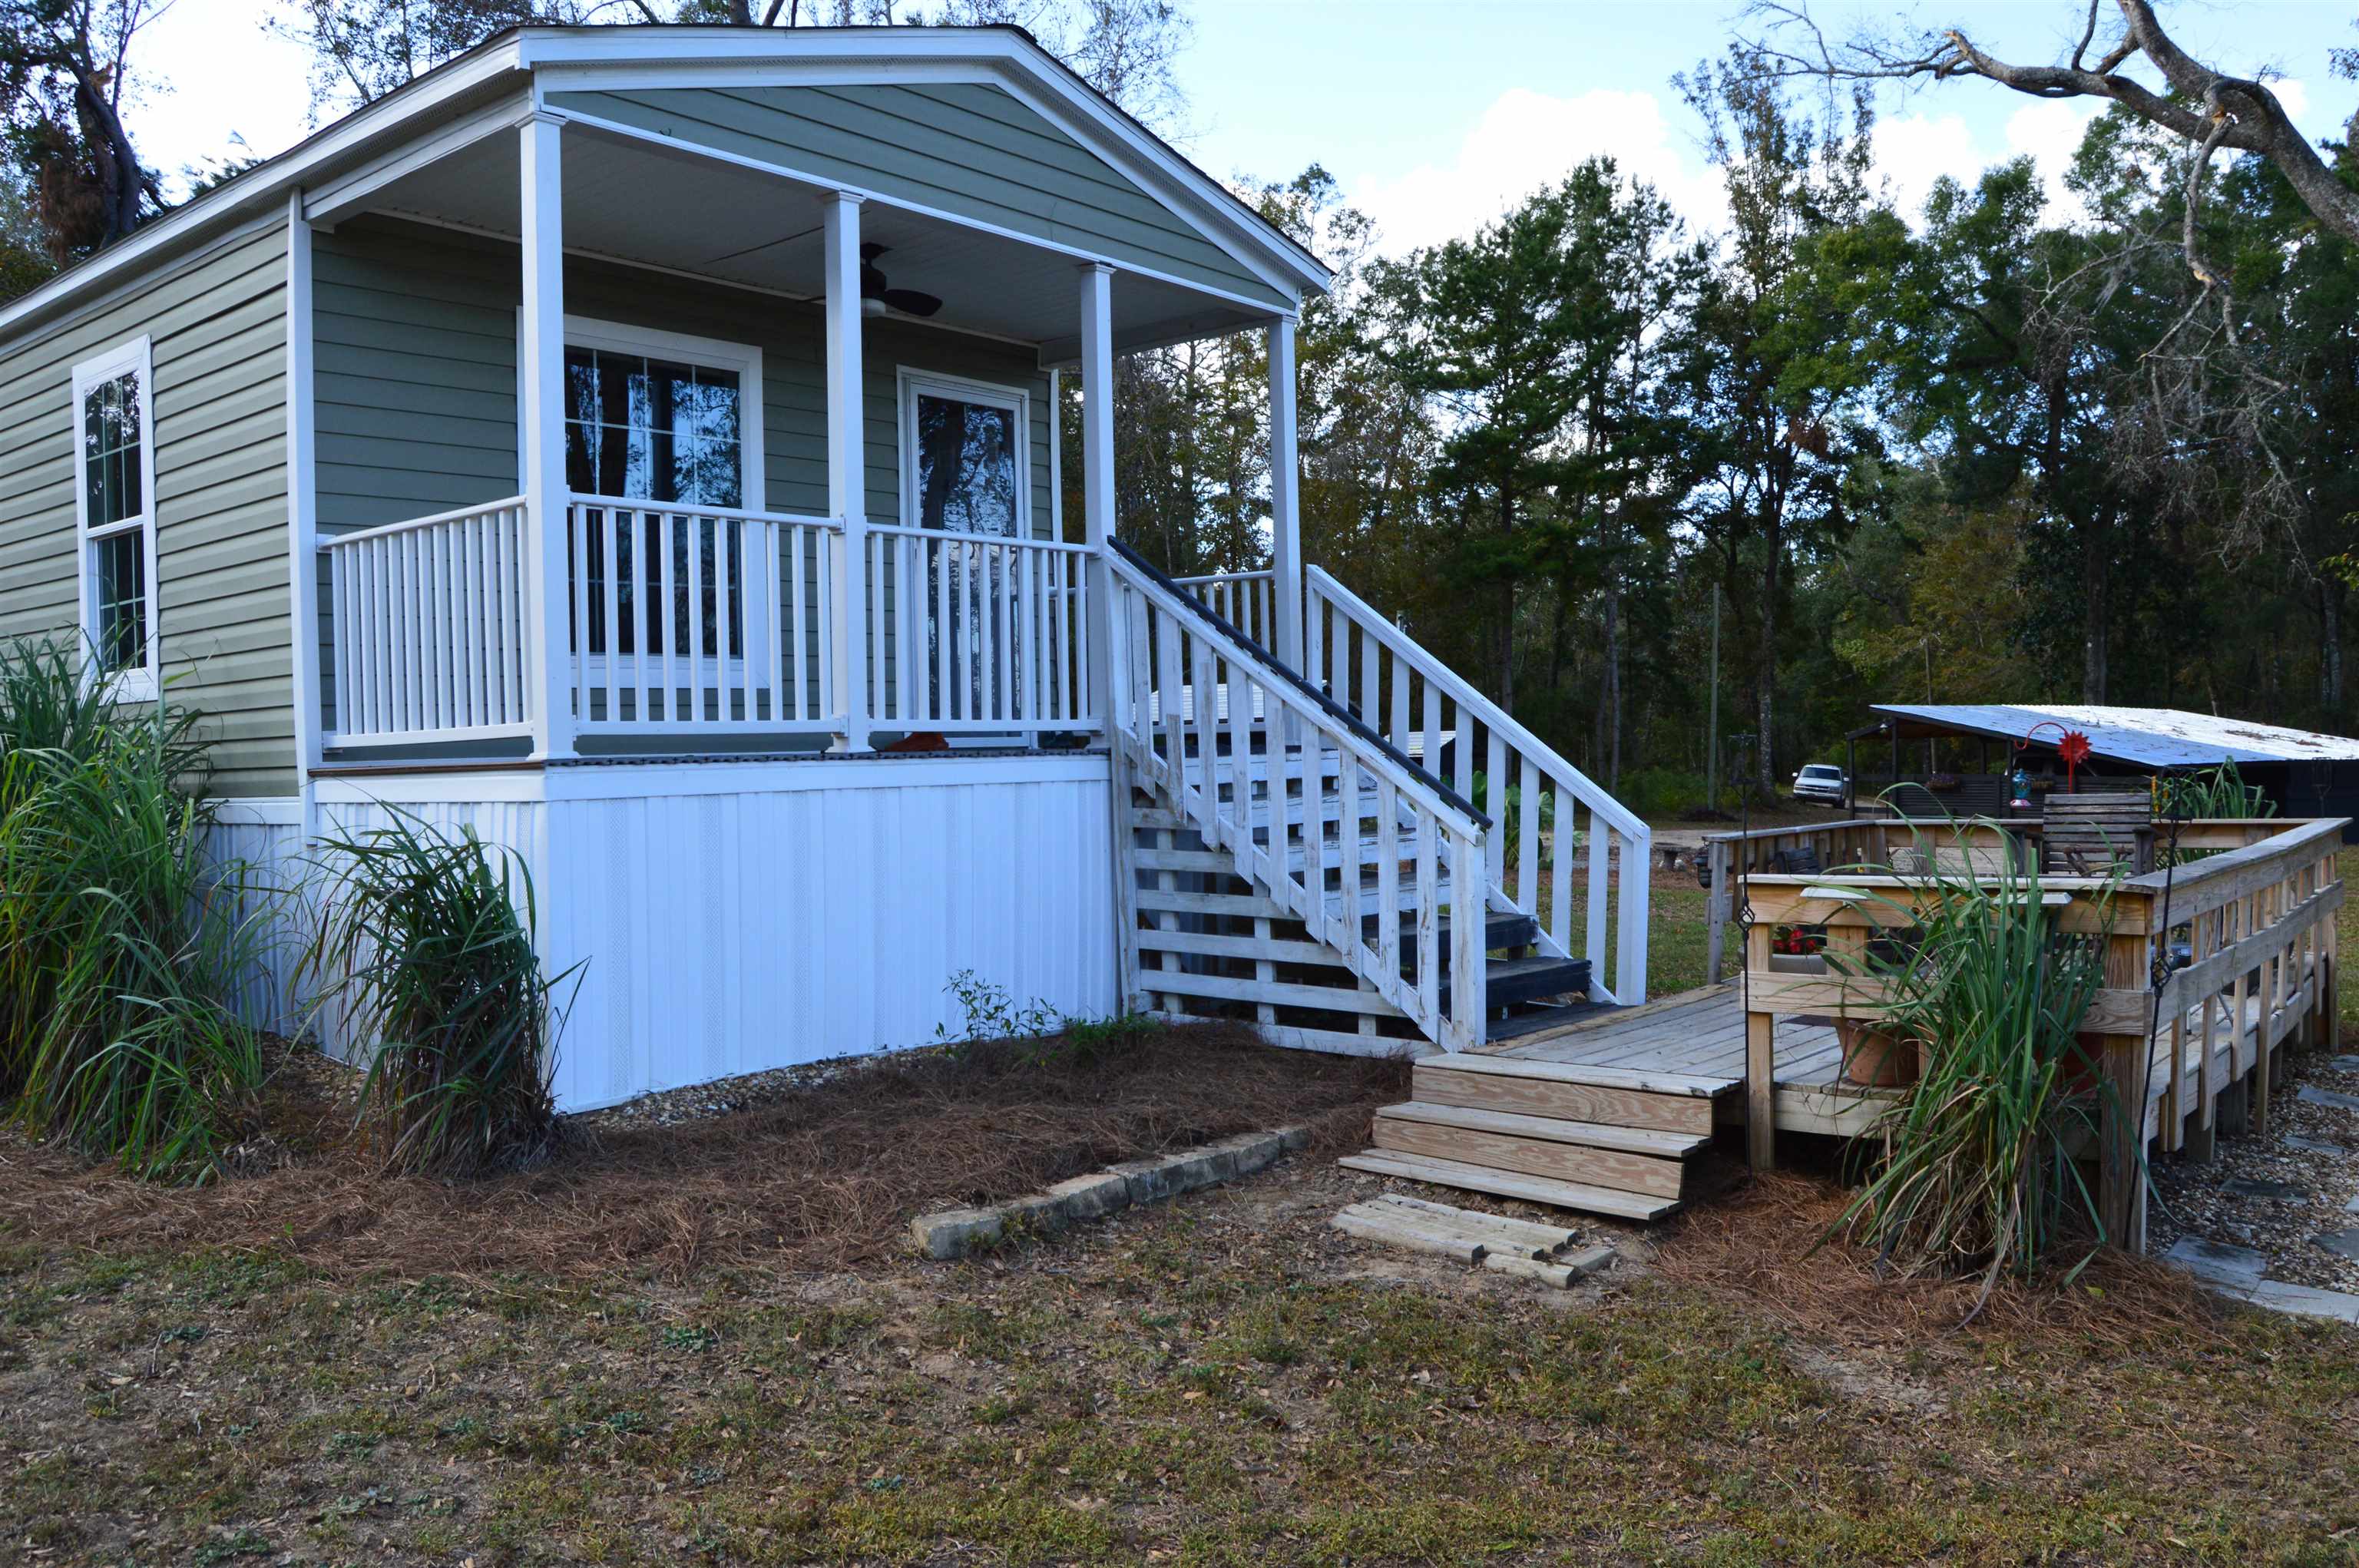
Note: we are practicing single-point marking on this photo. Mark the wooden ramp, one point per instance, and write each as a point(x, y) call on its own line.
point(1605, 1114)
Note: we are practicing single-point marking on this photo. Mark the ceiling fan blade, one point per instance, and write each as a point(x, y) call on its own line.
point(911, 301)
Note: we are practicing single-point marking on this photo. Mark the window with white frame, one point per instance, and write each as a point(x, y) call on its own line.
point(963, 456)
point(674, 421)
point(115, 507)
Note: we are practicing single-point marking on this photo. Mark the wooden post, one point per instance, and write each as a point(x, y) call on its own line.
point(1760, 1066)
point(2121, 1182)
point(541, 415)
point(847, 463)
point(1719, 864)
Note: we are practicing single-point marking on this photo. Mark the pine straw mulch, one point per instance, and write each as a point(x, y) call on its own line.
point(1758, 1246)
point(824, 1176)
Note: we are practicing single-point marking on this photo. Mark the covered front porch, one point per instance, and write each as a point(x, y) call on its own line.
point(736, 458)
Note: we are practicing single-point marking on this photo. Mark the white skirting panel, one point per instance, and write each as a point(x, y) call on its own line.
point(742, 916)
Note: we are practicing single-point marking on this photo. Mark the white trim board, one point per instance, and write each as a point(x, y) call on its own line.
point(616, 782)
point(134, 358)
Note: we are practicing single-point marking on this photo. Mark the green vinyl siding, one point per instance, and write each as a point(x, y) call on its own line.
point(415, 360)
point(965, 148)
point(217, 323)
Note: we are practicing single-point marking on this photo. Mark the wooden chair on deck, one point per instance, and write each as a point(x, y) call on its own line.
point(2093, 832)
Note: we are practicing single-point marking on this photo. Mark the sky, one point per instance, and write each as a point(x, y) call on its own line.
point(1435, 116)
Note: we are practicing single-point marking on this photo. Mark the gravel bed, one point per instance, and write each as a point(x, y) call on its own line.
point(726, 1096)
point(2311, 1149)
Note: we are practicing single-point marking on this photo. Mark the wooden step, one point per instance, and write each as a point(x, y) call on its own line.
point(1479, 1084)
point(1529, 1156)
point(1657, 1142)
point(1511, 1184)
point(1604, 1076)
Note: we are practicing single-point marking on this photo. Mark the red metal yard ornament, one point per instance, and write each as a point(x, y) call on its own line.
point(2072, 746)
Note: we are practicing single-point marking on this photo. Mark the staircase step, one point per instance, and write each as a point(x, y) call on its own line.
point(1468, 1177)
point(1652, 1141)
point(1507, 981)
point(1529, 1156)
point(1494, 1083)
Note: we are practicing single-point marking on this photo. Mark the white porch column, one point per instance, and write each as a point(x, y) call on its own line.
point(541, 418)
point(302, 516)
point(847, 464)
point(1097, 470)
point(1285, 496)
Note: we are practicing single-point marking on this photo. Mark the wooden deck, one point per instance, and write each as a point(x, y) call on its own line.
point(1693, 1043)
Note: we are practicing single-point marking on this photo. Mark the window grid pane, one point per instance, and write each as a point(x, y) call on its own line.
point(651, 430)
point(111, 452)
point(122, 630)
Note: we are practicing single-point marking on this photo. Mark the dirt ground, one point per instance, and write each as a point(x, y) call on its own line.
point(1221, 1380)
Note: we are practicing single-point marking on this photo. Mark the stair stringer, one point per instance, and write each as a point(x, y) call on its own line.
point(1208, 941)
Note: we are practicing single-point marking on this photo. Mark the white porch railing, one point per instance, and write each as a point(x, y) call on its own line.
point(1263, 803)
point(699, 619)
point(975, 634)
point(431, 627)
point(1425, 708)
point(1246, 600)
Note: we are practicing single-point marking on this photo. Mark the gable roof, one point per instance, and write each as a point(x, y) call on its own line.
point(2143, 737)
point(591, 56)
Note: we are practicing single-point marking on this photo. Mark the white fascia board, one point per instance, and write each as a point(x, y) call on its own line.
point(264, 187)
point(632, 57)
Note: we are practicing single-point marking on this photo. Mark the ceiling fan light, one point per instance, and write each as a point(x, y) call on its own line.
point(872, 306)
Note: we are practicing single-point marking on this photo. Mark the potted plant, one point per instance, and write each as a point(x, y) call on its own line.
point(1875, 1057)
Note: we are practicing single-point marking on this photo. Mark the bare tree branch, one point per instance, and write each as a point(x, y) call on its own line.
point(2206, 107)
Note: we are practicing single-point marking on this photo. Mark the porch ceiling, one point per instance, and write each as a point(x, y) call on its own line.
point(661, 206)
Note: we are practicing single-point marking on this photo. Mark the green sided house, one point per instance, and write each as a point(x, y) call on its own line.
point(639, 444)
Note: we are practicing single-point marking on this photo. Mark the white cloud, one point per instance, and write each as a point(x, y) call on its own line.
point(1526, 141)
point(1913, 152)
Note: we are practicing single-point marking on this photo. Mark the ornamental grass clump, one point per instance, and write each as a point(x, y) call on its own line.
point(1976, 1168)
point(423, 952)
point(124, 940)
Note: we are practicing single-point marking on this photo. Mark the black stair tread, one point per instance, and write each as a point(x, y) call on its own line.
point(1509, 981)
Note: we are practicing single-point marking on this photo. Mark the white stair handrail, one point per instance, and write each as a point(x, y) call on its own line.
point(1389, 664)
point(1170, 642)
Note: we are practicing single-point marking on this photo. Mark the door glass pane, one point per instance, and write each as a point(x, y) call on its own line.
point(966, 466)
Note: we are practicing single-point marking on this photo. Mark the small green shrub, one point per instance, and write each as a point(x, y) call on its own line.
point(1978, 1169)
point(420, 946)
point(1037, 1034)
point(123, 943)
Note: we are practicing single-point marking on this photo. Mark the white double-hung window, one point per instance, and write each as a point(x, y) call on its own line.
point(114, 509)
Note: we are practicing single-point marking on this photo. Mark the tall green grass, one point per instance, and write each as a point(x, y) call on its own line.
point(122, 942)
point(423, 945)
point(1978, 1169)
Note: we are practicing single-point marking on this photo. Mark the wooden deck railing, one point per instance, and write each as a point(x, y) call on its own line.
point(2244, 938)
point(1246, 600)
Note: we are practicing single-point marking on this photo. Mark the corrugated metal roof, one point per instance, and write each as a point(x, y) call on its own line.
point(2146, 738)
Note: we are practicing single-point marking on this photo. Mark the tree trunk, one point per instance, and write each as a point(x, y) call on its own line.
point(2097, 574)
point(2330, 648)
point(1613, 685)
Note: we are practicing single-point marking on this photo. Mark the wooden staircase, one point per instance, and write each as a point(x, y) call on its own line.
point(1575, 1137)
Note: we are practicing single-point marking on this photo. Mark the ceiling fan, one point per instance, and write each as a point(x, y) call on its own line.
point(876, 299)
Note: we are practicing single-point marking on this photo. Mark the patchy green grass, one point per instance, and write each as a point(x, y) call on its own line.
point(1219, 1381)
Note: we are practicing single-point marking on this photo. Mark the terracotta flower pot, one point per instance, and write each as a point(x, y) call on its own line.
point(1873, 1059)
